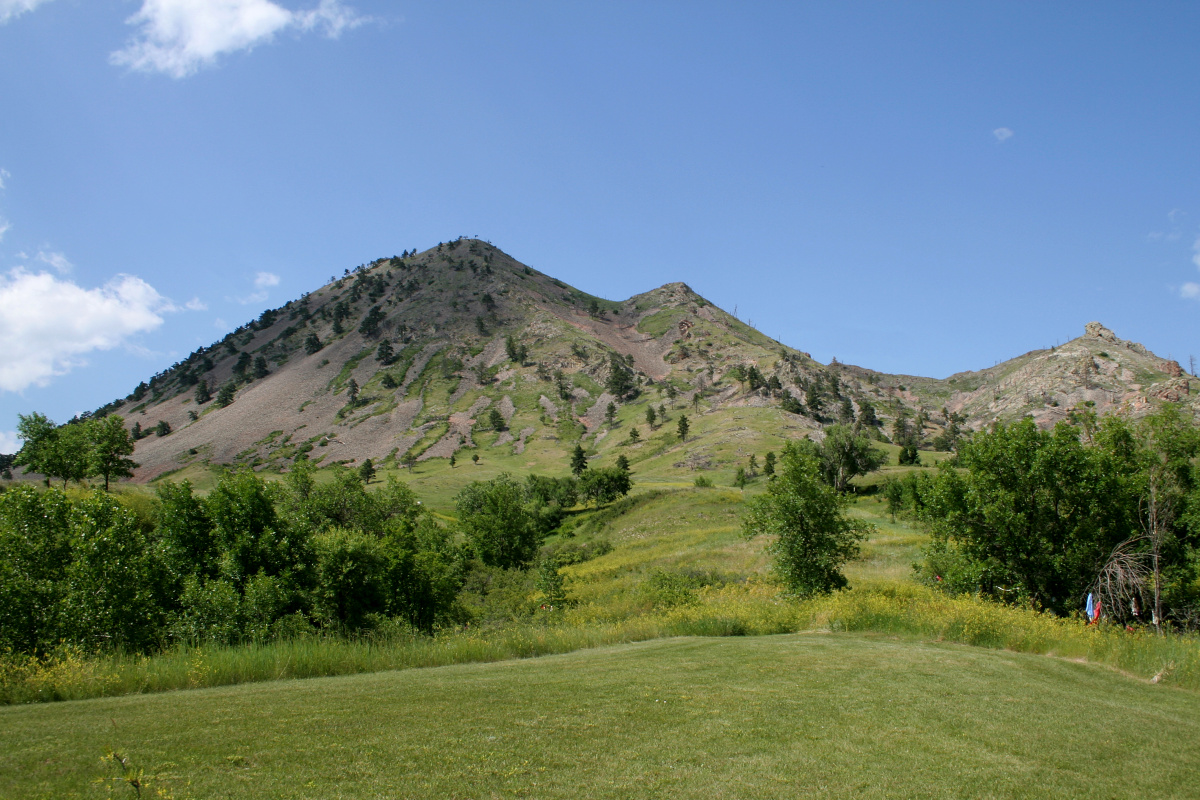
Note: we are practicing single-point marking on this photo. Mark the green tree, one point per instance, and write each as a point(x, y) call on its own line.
point(496, 420)
point(813, 537)
point(845, 454)
point(1030, 516)
point(739, 479)
point(550, 584)
point(39, 437)
point(109, 448)
point(634, 436)
point(651, 417)
point(260, 367)
point(34, 554)
point(682, 427)
point(226, 394)
point(203, 392)
point(610, 414)
point(312, 343)
point(578, 461)
point(370, 324)
point(496, 520)
point(384, 354)
point(367, 471)
point(163, 428)
point(604, 484)
point(769, 464)
point(243, 364)
point(352, 390)
point(623, 463)
point(620, 380)
point(752, 469)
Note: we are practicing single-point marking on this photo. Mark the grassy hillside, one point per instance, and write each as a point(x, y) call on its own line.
point(781, 716)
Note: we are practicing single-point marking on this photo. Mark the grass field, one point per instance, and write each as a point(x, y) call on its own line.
point(817, 715)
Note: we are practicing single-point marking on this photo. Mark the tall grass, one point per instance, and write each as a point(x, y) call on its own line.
point(753, 608)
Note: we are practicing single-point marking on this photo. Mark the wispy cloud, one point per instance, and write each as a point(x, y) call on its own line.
point(1190, 291)
point(220, 324)
point(264, 280)
point(1002, 134)
point(195, 304)
point(178, 37)
point(9, 443)
point(5, 227)
point(48, 324)
point(4, 175)
point(11, 9)
point(56, 260)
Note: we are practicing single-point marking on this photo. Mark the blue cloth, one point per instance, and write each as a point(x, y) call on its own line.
point(1090, 607)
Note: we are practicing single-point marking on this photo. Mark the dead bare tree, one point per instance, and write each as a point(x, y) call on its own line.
point(1122, 584)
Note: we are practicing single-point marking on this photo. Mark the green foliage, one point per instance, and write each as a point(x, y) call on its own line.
point(702, 482)
point(1031, 515)
point(385, 354)
point(312, 343)
point(163, 428)
point(497, 521)
point(682, 427)
point(603, 485)
point(845, 453)
point(370, 324)
point(203, 393)
point(814, 538)
point(109, 448)
point(496, 420)
point(620, 379)
point(226, 394)
point(579, 461)
point(367, 471)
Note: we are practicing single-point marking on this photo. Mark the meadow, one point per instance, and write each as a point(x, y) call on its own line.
point(678, 668)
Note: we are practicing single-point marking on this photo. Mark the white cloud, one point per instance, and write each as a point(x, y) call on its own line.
point(11, 9)
point(5, 226)
point(56, 260)
point(9, 443)
point(178, 37)
point(1190, 291)
point(47, 324)
point(4, 174)
point(264, 279)
point(1002, 134)
point(220, 324)
point(195, 304)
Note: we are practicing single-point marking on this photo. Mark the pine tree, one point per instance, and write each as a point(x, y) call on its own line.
point(352, 390)
point(384, 354)
point(367, 471)
point(634, 436)
point(496, 420)
point(260, 368)
point(623, 463)
point(682, 426)
point(203, 393)
point(610, 414)
point(578, 461)
point(162, 428)
point(769, 464)
point(312, 343)
point(651, 417)
point(226, 394)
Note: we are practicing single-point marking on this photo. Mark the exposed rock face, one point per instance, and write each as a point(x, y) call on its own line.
point(1172, 368)
point(1097, 331)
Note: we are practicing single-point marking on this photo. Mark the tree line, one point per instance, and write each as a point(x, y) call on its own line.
point(254, 560)
point(1044, 518)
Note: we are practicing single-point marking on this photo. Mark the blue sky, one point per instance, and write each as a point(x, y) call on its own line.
point(918, 188)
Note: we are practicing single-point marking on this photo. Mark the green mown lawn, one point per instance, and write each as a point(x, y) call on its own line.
point(809, 715)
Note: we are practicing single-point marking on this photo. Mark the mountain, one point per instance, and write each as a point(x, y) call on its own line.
point(455, 315)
